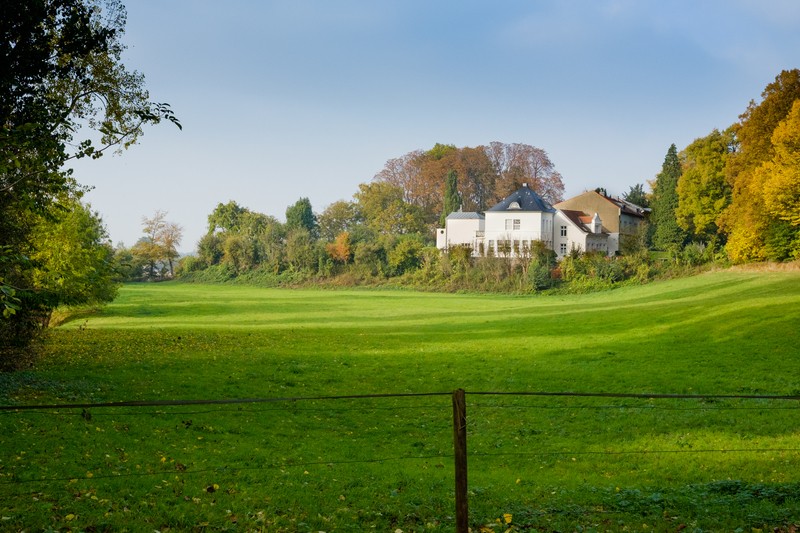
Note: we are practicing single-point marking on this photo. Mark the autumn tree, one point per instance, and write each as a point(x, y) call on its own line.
point(517, 163)
point(747, 221)
point(340, 250)
point(160, 244)
point(781, 178)
point(477, 179)
point(486, 174)
point(667, 234)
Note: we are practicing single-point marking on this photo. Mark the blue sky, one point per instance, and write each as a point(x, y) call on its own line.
point(309, 98)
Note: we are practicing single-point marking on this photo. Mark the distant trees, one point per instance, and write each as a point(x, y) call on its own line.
point(485, 175)
point(703, 195)
point(158, 249)
point(736, 188)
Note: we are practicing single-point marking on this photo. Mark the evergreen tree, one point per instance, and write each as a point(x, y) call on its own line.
point(667, 232)
point(452, 199)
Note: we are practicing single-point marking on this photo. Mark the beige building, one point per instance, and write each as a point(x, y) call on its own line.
point(620, 218)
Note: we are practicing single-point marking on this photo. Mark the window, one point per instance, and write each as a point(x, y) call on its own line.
point(516, 223)
point(512, 224)
point(563, 248)
point(563, 231)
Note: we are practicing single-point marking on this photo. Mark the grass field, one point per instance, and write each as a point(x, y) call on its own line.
point(382, 464)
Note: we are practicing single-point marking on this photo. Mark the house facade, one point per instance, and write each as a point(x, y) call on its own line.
point(509, 228)
point(620, 218)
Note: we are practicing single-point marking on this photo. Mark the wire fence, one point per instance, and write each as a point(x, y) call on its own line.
point(207, 438)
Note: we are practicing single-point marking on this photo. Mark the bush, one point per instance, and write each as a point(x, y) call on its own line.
point(406, 256)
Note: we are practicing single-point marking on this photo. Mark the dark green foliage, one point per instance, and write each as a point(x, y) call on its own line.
point(667, 233)
point(637, 196)
point(452, 199)
point(60, 69)
point(781, 240)
point(301, 216)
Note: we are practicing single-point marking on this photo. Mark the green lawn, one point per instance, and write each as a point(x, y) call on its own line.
point(551, 463)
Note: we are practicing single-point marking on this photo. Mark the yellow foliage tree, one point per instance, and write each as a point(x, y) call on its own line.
point(755, 232)
point(782, 175)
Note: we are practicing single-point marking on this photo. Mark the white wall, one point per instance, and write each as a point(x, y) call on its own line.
point(533, 226)
point(459, 231)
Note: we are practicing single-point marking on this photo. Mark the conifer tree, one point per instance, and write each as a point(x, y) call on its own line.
point(452, 199)
point(667, 233)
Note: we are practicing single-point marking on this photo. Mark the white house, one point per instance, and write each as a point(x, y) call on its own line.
point(509, 228)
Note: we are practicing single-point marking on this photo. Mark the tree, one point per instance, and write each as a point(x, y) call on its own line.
point(747, 221)
point(452, 200)
point(668, 233)
point(300, 216)
point(637, 196)
point(478, 179)
point(60, 69)
point(406, 255)
point(385, 212)
point(226, 217)
point(517, 163)
point(782, 173)
point(781, 179)
point(300, 253)
point(340, 250)
point(703, 191)
point(73, 257)
point(486, 175)
point(338, 217)
point(159, 246)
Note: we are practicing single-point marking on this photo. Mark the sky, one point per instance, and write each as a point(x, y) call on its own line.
point(282, 100)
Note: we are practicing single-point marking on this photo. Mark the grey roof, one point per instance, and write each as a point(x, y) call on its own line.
point(469, 215)
point(524, 199)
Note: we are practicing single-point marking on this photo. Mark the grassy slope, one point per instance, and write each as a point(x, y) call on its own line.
point(552, 463)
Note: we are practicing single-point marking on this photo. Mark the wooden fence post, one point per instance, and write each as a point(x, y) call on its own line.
point(460, 448)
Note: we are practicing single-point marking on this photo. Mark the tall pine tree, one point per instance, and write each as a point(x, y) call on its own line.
point(452, 199)
point(668, 234)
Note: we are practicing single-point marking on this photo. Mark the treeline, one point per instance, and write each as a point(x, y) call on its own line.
point(384, 235)
point(737, 191)
point(732, 196)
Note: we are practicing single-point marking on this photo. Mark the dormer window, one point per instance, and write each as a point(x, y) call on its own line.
point(514, 205)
